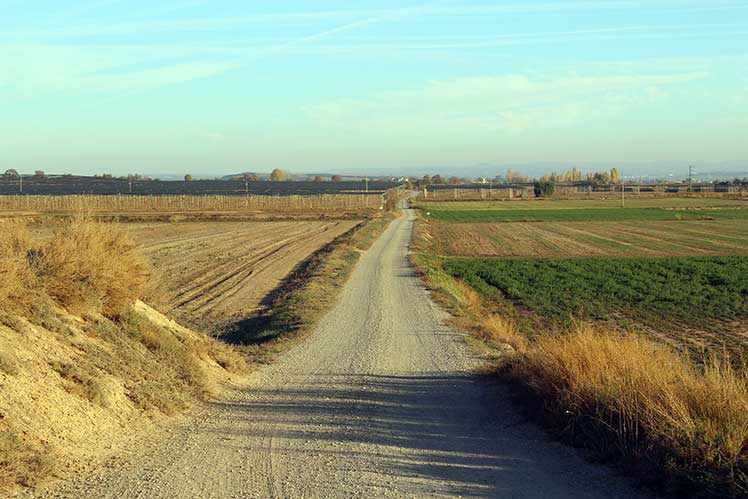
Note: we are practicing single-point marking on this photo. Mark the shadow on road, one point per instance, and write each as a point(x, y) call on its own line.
point(425, 427)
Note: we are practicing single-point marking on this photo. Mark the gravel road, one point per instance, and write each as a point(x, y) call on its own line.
point(379, 402)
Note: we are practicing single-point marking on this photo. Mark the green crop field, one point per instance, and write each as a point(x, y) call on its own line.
point(576, 214)
point(676, 267)
point(654, 291)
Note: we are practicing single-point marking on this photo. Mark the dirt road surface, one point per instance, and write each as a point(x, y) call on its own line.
point(379, 402)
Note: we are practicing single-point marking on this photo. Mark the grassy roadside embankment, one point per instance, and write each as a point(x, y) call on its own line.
point(84, 364)
point(306, 294)
point(634, 402)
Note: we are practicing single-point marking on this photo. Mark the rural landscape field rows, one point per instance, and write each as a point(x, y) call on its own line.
point(218, 273)
point(379, 402)
point(373, 249)
point(588, 292)
point(591, 239)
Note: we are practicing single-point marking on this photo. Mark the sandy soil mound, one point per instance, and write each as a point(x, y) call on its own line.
point(74, 389)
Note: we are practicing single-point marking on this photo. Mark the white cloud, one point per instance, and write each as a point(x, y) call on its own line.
point(33, 70)
point(510, 102)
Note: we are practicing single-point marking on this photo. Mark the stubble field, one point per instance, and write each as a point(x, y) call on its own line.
point(216, 273)
point(591, 239)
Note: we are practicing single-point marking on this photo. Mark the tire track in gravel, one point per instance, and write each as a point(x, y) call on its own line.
point(379, 402)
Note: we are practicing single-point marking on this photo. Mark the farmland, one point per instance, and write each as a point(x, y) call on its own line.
point(218, 273)
point(581, 215)
point(585, 204)
point(591, 239)
point(77, 185)
point(662, 265)
point(311, 206)
point(623, 329)
point(661, 293)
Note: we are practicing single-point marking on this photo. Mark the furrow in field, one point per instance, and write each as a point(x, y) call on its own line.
point(220, 271)
point(680, 243)
point(227, 287)
point(235, 266)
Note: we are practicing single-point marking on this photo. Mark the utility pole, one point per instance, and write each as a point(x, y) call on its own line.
point(690, 178)
point(623, 192)
point(20, 183)
point(246, 187)
point(366, 183)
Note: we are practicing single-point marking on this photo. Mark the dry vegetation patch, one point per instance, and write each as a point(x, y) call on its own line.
point(321, 203)
point(83, 362)
point(591, 239)
point(306, 294)
point(639, 403)
point(679, 422)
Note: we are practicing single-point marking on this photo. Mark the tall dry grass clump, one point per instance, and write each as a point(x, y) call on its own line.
point(70, 386)
point(639, 402)
point(16, 279)
point(91, 266)
point(86, 267)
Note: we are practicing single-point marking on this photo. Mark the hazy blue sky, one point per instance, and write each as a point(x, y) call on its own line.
point(224, 86)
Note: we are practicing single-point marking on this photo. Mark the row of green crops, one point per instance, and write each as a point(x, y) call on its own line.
point(655, 291)
point(603, 214)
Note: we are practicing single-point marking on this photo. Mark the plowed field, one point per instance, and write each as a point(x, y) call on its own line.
point(591, 239)
point(216, 273)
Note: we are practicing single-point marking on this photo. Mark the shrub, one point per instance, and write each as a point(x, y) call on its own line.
point(635, 400)
point(544, 188)
point(90, 266)
point(16, 280)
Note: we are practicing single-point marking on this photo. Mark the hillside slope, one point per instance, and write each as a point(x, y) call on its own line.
point(84, 363)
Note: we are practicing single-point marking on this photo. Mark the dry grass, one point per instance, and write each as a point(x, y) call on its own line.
point(21, 463)
point(91, 266)
point(639, 402)
point(172, 204)
point(16, 278)
point(73, 385)
point(679, 424)
point(473, 316)
point(86, 266)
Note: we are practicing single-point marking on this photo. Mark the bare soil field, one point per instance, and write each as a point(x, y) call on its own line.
point(602, 202)
point(215, 273)
point(591, 239)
